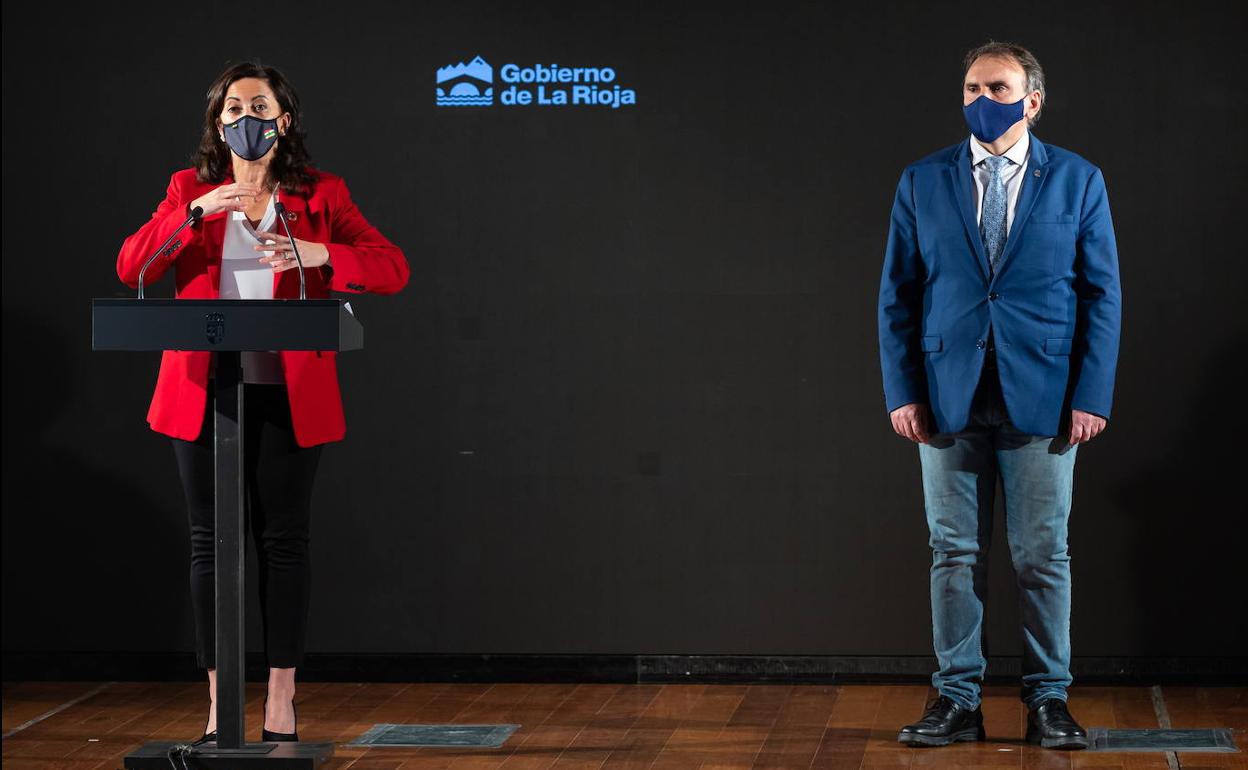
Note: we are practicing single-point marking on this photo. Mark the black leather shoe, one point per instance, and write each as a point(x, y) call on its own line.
point(272, 737)
point(943, 723)
point(1050, 724)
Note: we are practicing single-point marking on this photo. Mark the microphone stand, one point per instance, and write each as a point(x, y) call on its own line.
point(280, 208)
point(196, 213)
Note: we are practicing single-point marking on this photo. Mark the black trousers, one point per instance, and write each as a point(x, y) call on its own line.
point(278, 475)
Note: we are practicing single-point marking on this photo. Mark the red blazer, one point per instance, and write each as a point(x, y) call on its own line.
point(360, 260)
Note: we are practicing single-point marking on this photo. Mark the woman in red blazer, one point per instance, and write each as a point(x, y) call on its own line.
point(251, 155)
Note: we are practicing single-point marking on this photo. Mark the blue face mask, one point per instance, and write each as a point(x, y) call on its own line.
point(989, 119)
point(250, 138)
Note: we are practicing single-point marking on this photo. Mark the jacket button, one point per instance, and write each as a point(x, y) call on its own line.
point(980, 344)
point(994, 296)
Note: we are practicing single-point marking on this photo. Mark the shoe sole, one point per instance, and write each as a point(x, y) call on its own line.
point(917, 739)
point(1068, 743)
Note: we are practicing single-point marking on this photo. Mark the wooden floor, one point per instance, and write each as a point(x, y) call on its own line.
point(603, 725)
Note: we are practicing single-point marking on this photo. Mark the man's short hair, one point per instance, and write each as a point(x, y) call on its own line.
point(1026, 59)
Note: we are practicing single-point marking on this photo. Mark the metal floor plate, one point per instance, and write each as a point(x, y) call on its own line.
point(461, 736)
point(1215, 739)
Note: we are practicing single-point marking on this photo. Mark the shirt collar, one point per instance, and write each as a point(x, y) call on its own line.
point(1017, 153)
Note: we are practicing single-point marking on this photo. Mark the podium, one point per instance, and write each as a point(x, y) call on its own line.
point(228, 327)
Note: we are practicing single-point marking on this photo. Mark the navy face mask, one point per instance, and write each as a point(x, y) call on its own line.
point(250, 138)
point(990, 119)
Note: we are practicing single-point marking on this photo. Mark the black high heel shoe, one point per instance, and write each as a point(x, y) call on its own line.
point(272, 737)
point(207, 737)
point(181, 751)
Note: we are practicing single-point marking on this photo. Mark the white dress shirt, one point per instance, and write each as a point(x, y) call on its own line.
point(1012, 174)
point(243, 276)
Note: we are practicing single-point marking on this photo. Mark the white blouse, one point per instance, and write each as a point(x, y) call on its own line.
point(243, 276)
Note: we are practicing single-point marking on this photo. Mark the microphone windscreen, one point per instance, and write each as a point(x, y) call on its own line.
point(197, 212)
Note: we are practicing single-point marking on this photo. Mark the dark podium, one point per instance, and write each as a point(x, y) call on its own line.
point(227, 327)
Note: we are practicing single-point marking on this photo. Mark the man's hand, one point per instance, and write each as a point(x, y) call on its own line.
point(912, 421)
point(1084, 426)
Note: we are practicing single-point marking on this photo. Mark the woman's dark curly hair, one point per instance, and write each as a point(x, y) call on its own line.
point(291, 167)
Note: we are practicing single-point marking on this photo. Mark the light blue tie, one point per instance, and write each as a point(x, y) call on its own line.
point(992, 222)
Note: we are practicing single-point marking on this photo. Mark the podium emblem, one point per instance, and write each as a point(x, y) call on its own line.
point(214, 328)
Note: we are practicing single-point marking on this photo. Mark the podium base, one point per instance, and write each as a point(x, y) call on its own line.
point(304, 756)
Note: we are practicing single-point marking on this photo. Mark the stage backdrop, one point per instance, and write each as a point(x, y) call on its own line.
point(630, 401)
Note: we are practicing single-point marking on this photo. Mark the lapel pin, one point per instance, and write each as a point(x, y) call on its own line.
point(292, 216)
point(1036, 173)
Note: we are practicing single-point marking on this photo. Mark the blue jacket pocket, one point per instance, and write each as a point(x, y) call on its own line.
point(1063, 219)
point(1058, 346)
point(931, 344)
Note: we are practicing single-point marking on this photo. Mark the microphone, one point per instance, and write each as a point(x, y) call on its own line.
point(280, 208)
point(196, 213)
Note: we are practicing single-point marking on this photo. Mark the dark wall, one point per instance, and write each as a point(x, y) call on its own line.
point(630, 401)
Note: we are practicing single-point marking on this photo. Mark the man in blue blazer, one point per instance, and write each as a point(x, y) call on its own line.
point(999, 320)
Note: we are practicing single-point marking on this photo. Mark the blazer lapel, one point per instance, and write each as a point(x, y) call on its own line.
point(1033, 181)
point(959, 172)
point(295, 205)
point(213, 233)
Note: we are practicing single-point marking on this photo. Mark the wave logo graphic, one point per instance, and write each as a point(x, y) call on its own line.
point(466, 85)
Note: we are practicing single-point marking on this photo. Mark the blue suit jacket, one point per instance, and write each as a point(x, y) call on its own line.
point(1054, 304)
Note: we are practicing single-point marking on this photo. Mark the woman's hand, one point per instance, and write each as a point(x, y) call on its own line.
point(312, 254)
point(235, 196)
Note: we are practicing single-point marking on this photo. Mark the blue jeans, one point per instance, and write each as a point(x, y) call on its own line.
point(960, 472)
